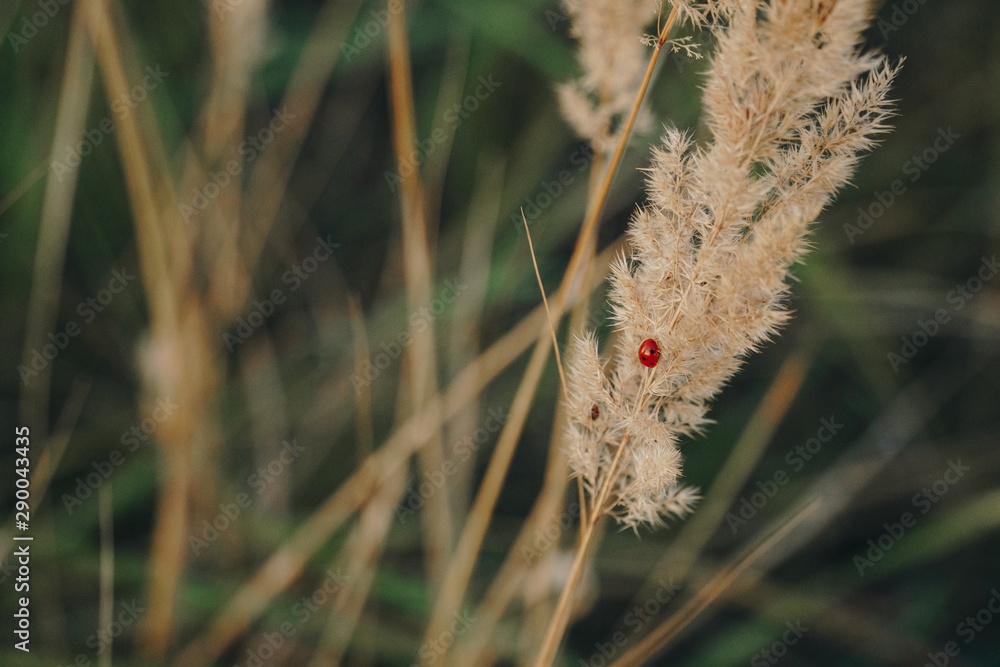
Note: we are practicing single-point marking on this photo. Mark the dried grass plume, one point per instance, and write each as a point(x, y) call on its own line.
point(612, 57)
point(791, 102)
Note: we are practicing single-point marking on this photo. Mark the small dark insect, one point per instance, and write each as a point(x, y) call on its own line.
point(595, 412)
point(649, 353)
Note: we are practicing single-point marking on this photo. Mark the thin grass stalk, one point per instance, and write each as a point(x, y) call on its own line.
point(151, 224)
point(52, 453)
point(23, 186)
point(470, 541)
point(506, 583)
point(417, 272)
point(360, 562)
point(366, 543)
point(236, 41)
point(545, 303)
point(142, 183)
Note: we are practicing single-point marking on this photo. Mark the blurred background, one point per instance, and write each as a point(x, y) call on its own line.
point(207, 327)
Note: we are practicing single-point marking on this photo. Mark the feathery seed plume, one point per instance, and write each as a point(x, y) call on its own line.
point(791, 102)
point(613, 60)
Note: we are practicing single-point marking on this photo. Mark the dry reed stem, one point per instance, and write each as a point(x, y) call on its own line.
point(545, 303)
point(417, 272)
point(360, 561)
point(236, 44)
point(54, 223)
point(460, 568)
point(141, 182)
point(470, 540)
point(509, 577)
point(365, 544)
point(286, 564)
point(152, 222)
point(560, 619)
point(106, 605)
point(597, 200)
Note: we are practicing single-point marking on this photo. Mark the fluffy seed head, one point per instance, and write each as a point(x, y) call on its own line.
point(791, 102)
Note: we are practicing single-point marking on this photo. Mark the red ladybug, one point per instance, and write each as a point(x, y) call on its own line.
point(595, 412)
point(649, 353)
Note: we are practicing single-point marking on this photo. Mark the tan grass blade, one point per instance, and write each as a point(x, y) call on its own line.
point(418, 274)
point(360, 562)
point(366, 543)
point(545, 303)
point(560, 619)
point(157, 251)
point(722, 581)
point(509, 577)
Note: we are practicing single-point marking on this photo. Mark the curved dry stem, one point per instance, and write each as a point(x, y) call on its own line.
point(417, 271)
